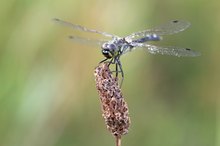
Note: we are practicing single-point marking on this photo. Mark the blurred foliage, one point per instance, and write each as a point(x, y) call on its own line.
point(48, 95)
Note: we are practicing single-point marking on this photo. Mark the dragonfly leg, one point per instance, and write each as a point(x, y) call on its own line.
point(116, 69)
point(111, 61)
point(103, 60)
point(121, 71)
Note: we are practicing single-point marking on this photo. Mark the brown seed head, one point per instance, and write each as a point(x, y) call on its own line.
point(114, 107)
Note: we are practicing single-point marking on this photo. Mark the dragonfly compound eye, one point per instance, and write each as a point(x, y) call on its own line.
point(106, 53)
point(111, 46)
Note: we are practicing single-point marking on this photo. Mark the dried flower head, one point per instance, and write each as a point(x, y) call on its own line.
point(114, 107)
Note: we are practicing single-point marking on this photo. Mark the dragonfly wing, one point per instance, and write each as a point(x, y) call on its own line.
point(168, 28)
point(87, 41)
point(81, 28)
point(173, 51)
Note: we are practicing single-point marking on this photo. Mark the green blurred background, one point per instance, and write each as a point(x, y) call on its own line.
point(48, 95)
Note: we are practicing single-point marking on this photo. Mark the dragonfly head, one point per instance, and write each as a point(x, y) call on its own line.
point(109, 50)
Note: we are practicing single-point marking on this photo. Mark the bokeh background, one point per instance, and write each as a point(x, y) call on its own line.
point(47, 88)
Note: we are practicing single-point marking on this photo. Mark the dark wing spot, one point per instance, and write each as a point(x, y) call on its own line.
point(188, 49)
point(71, 37)
point(56, 19)
point(175, 21)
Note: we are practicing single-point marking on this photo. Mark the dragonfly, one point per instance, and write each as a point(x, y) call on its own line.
point(115, 46)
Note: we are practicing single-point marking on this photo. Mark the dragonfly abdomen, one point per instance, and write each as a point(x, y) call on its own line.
point(150, 37)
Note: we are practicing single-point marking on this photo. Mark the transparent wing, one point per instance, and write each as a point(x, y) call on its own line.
point(173, 51)
point(81, 28)
point(168, 28)
point(86, 41)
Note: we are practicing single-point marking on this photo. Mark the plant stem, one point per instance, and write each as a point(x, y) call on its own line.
point(118, 140)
